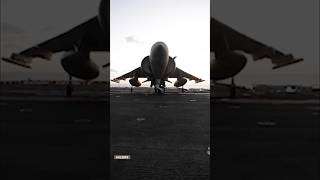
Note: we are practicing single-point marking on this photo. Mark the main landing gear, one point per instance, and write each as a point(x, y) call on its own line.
point(182, 90)
point(232, 88)
point(159, 89)
point(69, 88)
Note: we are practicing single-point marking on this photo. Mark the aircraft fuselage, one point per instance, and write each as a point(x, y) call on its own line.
point(159, 58)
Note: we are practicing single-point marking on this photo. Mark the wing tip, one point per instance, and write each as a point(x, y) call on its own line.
point(16, 62)
point(115, 80)
point(199, 80)
point(288, 63)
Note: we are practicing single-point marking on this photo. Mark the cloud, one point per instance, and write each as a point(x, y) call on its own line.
point(132, 39)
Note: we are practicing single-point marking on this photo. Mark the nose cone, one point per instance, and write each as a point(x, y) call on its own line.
point(159, 48)
point(159, 58)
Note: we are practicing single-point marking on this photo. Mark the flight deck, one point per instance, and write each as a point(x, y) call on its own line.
point(49, 136)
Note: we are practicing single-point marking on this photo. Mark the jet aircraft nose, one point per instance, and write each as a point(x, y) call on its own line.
point(159, 58)
point(159, 49)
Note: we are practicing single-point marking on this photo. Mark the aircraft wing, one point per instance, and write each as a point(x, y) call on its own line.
point(178, 73)
point(138, 73)
point(258, 50)
point(88, 35)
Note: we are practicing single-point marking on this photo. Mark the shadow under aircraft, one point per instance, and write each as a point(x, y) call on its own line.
point(94, 35)
point(157, 68)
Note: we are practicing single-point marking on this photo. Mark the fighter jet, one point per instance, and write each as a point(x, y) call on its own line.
point(78, 43)
point(157, 68)
point(93, 35)
point(228, 48)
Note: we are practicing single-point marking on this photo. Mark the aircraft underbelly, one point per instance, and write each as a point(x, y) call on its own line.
point(158, 67)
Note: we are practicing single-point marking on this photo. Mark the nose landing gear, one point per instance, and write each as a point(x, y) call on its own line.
point(159, 89)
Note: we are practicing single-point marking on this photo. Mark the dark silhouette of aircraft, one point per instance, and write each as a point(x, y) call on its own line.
point(78, 43)
point(228, 47)
point(94, 35)
point(157, 68)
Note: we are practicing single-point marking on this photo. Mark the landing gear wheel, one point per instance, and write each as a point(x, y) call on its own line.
point(232, 89)
point(157, 91)
point(69, 88)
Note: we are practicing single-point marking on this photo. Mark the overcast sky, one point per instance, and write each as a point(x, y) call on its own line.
point(291, 26)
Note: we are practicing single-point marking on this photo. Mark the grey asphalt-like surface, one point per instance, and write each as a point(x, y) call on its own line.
point(166, 136)
point(48, 139)
point(266, 140)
